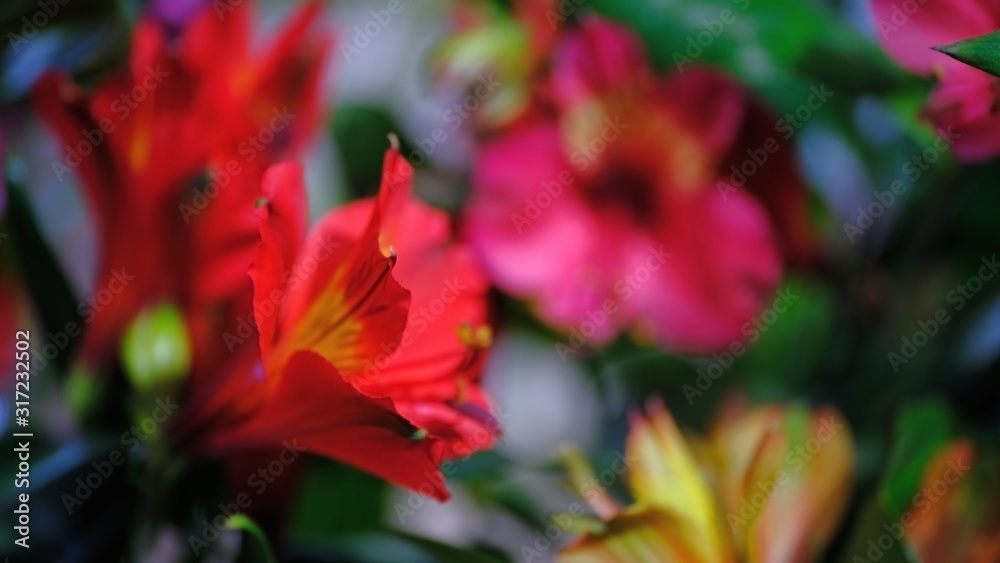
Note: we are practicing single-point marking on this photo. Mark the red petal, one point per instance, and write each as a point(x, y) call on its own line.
point(63, 106)
point(282, 227)
point(346, 306)
point(433, 372)
point(777, 184)
point(313, 406)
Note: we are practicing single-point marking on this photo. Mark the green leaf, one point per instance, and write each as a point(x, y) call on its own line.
point(788, 341)
point(362, 138)
point(782, 48)
point(445, 552)
point(922, 428)
point(358, 497)
point(982, 52)
point(392, 546)
point(259, 550)
point(51, 294)
point(873, 538)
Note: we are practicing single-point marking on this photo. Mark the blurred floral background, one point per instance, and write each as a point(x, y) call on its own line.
point(485, 281)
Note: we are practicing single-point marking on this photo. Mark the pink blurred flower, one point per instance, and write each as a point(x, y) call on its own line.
point(965, 98)
point(611, 203)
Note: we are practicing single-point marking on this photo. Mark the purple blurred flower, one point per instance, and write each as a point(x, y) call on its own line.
point(175, 13)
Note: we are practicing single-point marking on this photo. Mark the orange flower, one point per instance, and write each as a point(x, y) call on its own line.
point(955, 515)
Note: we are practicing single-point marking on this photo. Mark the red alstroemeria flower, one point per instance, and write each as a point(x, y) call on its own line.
point(170, 154)
point(433, 374)
point(965, 99)
point(614, 208)
point(341, 369)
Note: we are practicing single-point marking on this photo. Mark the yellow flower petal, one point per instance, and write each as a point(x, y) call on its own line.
point(797, 487)
point(664, 473)
point(640, 535)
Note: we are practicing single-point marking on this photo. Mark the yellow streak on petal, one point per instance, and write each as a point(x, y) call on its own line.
point(665, 474)
point(641, 534)
point(243, 81)
point(331, 326)
point(140, 149)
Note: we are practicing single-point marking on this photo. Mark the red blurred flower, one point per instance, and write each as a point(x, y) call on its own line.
point(965, 99)
point(15, 318)
point(612, 206)
point(349, 363)
point(344, 366)
point(170, 154)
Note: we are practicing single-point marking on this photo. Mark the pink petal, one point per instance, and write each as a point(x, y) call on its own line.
point(909, 37)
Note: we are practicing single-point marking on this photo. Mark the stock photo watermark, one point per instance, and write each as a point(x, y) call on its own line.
point(625, 287)
point(795, 460)
point(250, 148)
point(454, 116)
point(564, 10)
point(31, 25)
point(927, 328)
point(581, 157)
point(132, 438)
point(592, 490)
point(88, 309)
point(122, 107)
point(753, 329)
point(899, 16)
point(420, 319)
point(270, 304)
point(368, 31)
point(912, 170)
point(713, 28)
point(788, 125)
point(481, 437)
point(258, 481)
point(922, 501)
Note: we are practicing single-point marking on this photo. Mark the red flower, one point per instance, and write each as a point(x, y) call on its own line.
point(613, 204)
point(341, 370)
point(433, 374)
point(170, 154)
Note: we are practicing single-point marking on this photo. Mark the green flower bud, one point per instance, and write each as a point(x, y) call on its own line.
point(156, 350)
